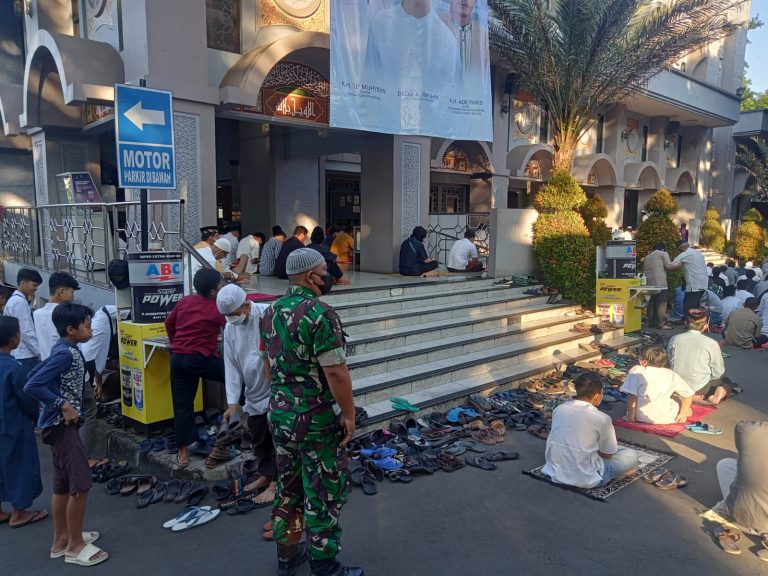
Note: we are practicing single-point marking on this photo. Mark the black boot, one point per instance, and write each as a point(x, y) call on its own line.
point(289, 558)
point(333, 568)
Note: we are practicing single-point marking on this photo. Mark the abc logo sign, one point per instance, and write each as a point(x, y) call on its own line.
point(163, 272)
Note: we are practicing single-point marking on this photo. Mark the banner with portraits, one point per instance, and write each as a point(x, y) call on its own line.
point(412, 67)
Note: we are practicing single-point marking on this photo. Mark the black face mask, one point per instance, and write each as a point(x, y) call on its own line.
point(327, 284)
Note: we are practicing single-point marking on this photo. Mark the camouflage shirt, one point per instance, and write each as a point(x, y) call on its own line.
point(299, 335)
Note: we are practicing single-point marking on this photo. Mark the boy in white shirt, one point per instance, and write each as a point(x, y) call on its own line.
point(650, 387)
point(61, 288)
point(582, 450)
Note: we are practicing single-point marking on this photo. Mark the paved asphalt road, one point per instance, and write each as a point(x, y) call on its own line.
point(470, 522)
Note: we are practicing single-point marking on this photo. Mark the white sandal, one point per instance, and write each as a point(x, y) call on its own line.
point(88, 538)
point(85, 555)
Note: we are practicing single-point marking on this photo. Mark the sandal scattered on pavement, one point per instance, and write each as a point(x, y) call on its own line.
point(729, 540)
point(703, 428)
point(665, 479)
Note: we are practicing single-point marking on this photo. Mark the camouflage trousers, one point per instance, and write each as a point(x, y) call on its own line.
point(311, 489)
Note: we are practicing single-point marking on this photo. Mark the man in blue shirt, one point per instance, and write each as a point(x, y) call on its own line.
point(414, 260)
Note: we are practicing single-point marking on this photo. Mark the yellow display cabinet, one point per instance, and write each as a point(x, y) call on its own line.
point(145, 374)
point(617, 302)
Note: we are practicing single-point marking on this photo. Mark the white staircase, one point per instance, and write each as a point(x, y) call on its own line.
point(435, 343)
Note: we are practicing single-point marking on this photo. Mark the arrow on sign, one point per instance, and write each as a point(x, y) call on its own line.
point(139, 116)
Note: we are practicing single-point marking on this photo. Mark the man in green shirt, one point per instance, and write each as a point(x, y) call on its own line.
point(303, 346)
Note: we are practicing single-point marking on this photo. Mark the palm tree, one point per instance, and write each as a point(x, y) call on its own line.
point(581, 57)
point(754, 159)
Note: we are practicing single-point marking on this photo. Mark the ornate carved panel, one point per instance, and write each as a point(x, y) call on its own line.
point(309, 15)
point(411, 187)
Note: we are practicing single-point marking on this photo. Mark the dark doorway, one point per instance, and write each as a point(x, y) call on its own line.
point(343, 197)
point(630, 208)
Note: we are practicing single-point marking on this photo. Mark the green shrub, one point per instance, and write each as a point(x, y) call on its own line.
point(749, 239)
point(712, 233)
point(565, 255)
point(662, 203)
point(593, 212)
point(562, 192)
point(752, 215)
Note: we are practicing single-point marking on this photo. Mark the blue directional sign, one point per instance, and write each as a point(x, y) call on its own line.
point(144, 134)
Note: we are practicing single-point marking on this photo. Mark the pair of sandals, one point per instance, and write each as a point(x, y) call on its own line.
point(488, 462)
point(105, 470)
point(191, 517)
point(665, 479)
point(729, 538)
point(703, 428)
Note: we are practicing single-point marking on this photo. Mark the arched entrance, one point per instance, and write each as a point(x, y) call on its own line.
point(596, 173)
point(530, 166)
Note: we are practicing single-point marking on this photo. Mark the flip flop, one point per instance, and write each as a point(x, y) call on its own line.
point(88, 538)
point(145, 446)
point(184, 491)
point(480, 462)
point(471, 445)
point(654, 475)
point(729, 541)
point(242, 506)
point(500, 456)
point(671, 481)
point(702, 428)
point(159, 444)
point(158, 493)
point(401, 475)
point(197, 492)
point(387, 463)
point(368, 485)
point(85, 555)
point(197, 518)
point(36, 517)
point(403, 404)
point(183, 515)
point(221, 491)
point(172, 488)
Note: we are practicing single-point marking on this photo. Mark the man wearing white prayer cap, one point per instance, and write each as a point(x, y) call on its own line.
point(246, 379)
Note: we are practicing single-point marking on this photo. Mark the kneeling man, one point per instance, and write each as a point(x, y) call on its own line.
point(582, 450)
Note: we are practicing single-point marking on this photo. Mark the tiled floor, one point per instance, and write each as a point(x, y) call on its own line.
point(359, 280)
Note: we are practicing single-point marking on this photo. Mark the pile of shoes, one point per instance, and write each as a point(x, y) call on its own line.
point(105, 470)
point(149, 490)
point(438, 442)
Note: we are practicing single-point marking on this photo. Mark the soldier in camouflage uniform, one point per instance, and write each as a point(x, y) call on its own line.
point(304, 350)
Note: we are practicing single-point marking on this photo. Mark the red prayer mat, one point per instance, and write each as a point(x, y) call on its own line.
point(259, 297)
point(667, 430)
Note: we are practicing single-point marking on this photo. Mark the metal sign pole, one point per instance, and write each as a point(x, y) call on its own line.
point(144, 202)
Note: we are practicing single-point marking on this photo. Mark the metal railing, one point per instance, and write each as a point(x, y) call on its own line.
point(83, 238)
point(444, 230)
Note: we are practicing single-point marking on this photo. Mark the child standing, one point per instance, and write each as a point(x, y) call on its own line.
point(20, 480)
point(650, 387)
point(57, 384)
point(582, 449)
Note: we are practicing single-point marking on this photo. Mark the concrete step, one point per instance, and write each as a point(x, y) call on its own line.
point(425, 375)
point(414, 334)
point(438, 311)
point(466, 292)
point(439, 348)
point(396, 286)
point(454, 392)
